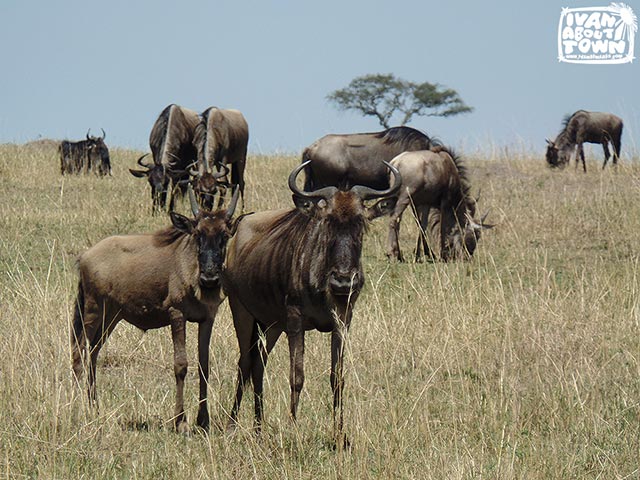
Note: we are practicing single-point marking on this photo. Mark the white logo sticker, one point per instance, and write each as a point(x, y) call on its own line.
point(597, 34)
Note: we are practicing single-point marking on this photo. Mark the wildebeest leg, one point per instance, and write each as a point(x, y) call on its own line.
point(581, 153)
point(337, 378)
point(606, 153)
point(258, 362)
point(393, 243)
point(99, 323)
point(617, 145)
point(245, 326)
point(180, 364)
point(422, 245)
point(237, 177)
point(295, 335)
point(204, 338)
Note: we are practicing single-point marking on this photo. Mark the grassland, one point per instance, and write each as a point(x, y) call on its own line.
point(523, 363)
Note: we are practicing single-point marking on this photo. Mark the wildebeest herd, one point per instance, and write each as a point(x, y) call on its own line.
point(284, 271)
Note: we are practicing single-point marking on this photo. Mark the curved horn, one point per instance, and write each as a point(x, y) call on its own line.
point(195, 209)
point(104, 135)
point(145, 165)
point(217, 175)
point(368, 193)
point(325, 192)
point(88, 131)
point(234, 202)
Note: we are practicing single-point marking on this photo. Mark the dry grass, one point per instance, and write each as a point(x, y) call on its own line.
point(524, 363)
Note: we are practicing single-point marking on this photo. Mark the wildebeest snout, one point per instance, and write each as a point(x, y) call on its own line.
point(209, 279)
point(344, 283)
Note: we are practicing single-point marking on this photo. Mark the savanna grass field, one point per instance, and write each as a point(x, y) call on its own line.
point(523, 363)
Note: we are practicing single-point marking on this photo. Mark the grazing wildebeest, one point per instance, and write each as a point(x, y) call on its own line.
point(151, 281)
point(356, 159)
point(171, 142)
point(436, 186)
point(89, 155)
point(590, 127)
point(296, 270)
point(221, 140)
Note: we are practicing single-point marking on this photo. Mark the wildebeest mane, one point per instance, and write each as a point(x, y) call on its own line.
point(405, 136)
point(463, 172)
point(167, 236)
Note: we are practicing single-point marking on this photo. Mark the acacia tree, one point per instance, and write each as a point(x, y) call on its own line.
point(382, 96)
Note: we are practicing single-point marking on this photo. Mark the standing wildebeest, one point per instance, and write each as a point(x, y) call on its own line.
point(85, 156)
point(221, 140)
point(435, 184)
point(296, 270)
point(590, 127)
point(151, 281)
point(171, 142)
point(356, 159)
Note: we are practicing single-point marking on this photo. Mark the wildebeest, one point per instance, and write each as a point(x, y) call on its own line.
point(296, 270)
point(435, 184)
point(151, 281)
point(590, 127)
point(356, 159)
point(221, 140)
point(171, 142)
point(89, 155)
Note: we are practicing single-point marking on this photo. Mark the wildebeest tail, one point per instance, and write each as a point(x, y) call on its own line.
point(77, 332)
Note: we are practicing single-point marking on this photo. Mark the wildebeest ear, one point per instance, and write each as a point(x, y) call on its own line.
point(381, 208)
point(182, 223)
point(308, 205)
point(235, 222)
point(139, 173)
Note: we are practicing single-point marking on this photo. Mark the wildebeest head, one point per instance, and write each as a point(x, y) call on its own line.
point(211, 231)
point(98, 154)
point(208, 183)
point(158, 180)
point(340, 219)
point(556, 158)
point(462, 241)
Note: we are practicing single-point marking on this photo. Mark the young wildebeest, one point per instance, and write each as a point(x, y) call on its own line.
point(356, 159)
point(221, 140)
point(435, 184)
point(171, 142)
point(90, 155)
point(296, 270)
point(590, 127)
point(151, 281)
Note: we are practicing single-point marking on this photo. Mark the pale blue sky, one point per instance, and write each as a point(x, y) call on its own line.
point(72, 65)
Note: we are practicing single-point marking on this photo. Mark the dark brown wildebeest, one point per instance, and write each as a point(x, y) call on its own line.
point(171, 142)
point(436, 186)
point(356, 159)
point(221, 140)
point(590, 127)
point(90, 155)
point(151, 281)
point(294, 270)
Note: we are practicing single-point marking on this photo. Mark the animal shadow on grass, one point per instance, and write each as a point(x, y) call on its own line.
point(143, 425)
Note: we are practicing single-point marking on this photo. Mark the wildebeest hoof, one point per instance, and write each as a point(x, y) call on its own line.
point(182, 428)
point(343, 444)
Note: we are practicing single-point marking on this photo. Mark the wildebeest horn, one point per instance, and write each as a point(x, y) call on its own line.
point(478, 196)
point(104, 135)
point(222, 174)
point(145, 165)
point(368, 193)
point(195, 209)
point(325, 192)
point(549, 141)
point(234, 201)
point(88, 131)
